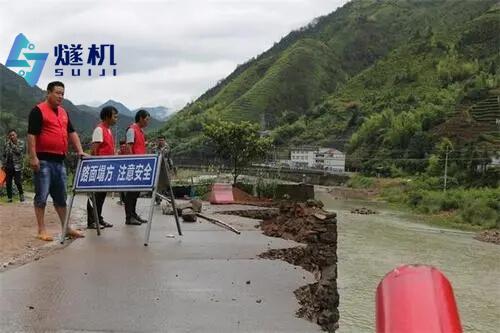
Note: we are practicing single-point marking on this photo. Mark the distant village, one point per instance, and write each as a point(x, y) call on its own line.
point(327, 159)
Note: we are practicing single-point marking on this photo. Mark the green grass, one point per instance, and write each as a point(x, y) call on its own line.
point(359, 181)
point(466, 209)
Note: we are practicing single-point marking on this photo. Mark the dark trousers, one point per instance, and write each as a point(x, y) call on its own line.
point(130, 203)
point(99, 199)
point(16, 175)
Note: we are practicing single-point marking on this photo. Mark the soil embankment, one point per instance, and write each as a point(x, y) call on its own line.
point(308, 223)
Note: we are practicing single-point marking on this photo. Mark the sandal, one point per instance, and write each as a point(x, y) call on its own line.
point(45, 237)
point(72, 233)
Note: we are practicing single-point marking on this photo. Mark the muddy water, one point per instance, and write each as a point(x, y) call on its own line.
point(372, 245)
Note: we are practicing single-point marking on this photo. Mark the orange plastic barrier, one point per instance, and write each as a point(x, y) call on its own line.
point(221, 194)
point(415, 299)
point(3, 175)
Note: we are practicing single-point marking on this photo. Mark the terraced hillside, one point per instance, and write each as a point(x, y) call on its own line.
point(374, 78)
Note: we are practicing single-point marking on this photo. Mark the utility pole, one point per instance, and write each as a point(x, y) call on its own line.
point(446, 168)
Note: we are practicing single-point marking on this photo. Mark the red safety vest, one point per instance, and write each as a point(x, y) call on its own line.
point(107, 146)
point(54, 135)
point(139, 146)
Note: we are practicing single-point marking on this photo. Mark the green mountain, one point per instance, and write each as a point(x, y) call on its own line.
point(17, 99)
point(373, 78)
point(125, 117)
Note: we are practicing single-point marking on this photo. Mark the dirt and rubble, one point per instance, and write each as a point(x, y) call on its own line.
point(308, 223)
point(18, 242)
point(489, 236)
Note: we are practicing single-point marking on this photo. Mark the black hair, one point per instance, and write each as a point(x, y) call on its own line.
point(141, 114)
point(53, 84)
point(107, 112)
point(123, 141)
point(12, 130)
point(161, 137)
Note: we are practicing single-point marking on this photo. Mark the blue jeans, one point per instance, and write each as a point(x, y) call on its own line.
point(50, 179)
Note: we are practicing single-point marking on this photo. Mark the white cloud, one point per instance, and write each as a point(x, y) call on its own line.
point(168, 52)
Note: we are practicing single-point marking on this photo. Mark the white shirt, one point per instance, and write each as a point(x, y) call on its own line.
point(130, 135)
point(97, 134)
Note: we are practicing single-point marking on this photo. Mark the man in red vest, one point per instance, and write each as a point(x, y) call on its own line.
point(49, 130)
point(136, 143)
point(102, 144)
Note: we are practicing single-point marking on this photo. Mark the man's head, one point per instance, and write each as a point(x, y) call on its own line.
point(109, 115)
point(142, 118)
point(12, 135)
point(55, 93)
point(161, 141)
point(123, 142)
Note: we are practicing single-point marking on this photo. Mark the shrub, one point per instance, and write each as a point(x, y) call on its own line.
point(359, 181)
point(478, 212)
point(266, 188)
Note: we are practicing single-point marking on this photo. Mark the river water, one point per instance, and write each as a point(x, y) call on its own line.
point(369, 246)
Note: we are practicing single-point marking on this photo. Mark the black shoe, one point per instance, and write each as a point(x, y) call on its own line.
point(91, 225)
point(132, 221)
point(137, 217)
point(105, 224)
point(9, 200)
point(21, 197)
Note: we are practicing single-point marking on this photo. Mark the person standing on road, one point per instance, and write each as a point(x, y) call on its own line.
point(49, 130)
point(102, 144)
point(13, 164)
point(136, 144)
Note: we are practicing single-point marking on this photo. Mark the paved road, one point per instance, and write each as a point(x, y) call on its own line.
point(193, 283)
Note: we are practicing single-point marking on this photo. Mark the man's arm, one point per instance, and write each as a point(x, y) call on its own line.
point(6, 149)
point(130, 136)
point(34, 162)
point(94, 147)
point(75, 142)
point(97, 139)
point(34, 128)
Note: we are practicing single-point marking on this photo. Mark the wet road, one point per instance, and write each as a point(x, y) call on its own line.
point(208, 280)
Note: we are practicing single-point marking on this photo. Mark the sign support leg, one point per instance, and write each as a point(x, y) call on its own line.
point(172, 199)
point(159, 160)
point(66, 219)
point(96, 215)
point(150, 217)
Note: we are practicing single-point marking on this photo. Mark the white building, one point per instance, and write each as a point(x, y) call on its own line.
point(333, 161)
point(303, 157)
point(328, 159)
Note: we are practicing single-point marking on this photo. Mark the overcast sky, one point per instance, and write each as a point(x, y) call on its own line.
point(167, 52)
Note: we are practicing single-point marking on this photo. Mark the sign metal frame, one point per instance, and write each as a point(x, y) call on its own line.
point(160, 163)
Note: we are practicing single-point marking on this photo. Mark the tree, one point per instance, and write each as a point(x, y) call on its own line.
point(238, 143)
